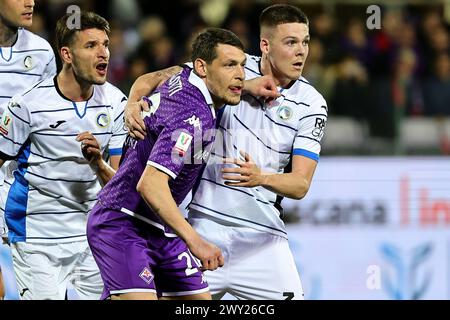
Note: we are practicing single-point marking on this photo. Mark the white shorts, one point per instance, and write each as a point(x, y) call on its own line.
point(43, 271)
point(258, 265)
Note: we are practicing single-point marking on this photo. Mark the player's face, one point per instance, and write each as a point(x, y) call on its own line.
point(225, 75)
point(16, 13)
point(287, 50)
point(90, 55)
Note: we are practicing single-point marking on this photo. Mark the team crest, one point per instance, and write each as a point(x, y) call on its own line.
point(146, 275)
point(102, 119)
point(284, 113)
point(28, 62)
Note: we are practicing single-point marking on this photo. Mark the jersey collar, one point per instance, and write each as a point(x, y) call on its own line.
point(200, 84)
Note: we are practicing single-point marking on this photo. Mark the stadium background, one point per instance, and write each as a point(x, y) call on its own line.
point(376, 222)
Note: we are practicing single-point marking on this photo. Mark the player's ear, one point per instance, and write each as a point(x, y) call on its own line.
point(264, 45)
point(66, 55)
point(200, 67)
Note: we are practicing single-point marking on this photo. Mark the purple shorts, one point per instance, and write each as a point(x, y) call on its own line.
point(134, 256)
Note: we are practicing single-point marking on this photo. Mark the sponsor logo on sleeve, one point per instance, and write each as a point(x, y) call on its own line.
point(319, 128)
point(183, 142)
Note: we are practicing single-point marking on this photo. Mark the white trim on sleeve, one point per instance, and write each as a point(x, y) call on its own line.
point(162, 168)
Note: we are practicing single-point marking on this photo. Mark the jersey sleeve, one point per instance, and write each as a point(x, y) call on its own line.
point(119, 133)
point(311, 129)
point(50, 67)
point(173, 147)
point(15, 127)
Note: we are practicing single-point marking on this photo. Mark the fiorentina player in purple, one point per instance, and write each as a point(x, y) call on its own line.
point(144, 247)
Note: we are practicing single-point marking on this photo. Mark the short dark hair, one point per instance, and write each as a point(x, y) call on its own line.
point(88, 20)
point(280, 14)
point(204, 46)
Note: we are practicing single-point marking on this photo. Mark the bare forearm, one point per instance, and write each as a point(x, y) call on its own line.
point(261, 86)
point(142, 86)
point(288, 185)
point(104, 172)
point(157, 195)
point(153, 186)
point(293, 185)
point(248, 87)
point(148, 82)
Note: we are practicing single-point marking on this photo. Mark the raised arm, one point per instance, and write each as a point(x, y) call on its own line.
point(148, 82)
point(91, 152)
point(262, 87)
point(143, 86)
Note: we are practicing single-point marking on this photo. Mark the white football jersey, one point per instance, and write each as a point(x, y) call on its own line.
point(271, 134)
point(28, 61)
point(54, 188)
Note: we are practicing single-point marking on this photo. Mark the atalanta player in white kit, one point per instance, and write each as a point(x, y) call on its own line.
point(54, 187)
point(25, 59)
point(237, 205)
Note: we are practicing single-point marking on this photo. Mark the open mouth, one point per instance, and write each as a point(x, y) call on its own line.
point(101, 68)
point(236, 89)
point(298, 65)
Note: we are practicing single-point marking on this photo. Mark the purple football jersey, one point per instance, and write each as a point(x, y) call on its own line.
point(180, 131)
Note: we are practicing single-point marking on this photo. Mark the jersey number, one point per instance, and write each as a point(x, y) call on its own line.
point(189, 258)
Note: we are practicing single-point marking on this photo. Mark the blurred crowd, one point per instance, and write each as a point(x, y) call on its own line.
point(378, 76)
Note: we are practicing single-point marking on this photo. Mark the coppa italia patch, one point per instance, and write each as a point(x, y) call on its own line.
point(183, 142)
point(5, 124)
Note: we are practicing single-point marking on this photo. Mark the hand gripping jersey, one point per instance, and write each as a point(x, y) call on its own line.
point(271, 134)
